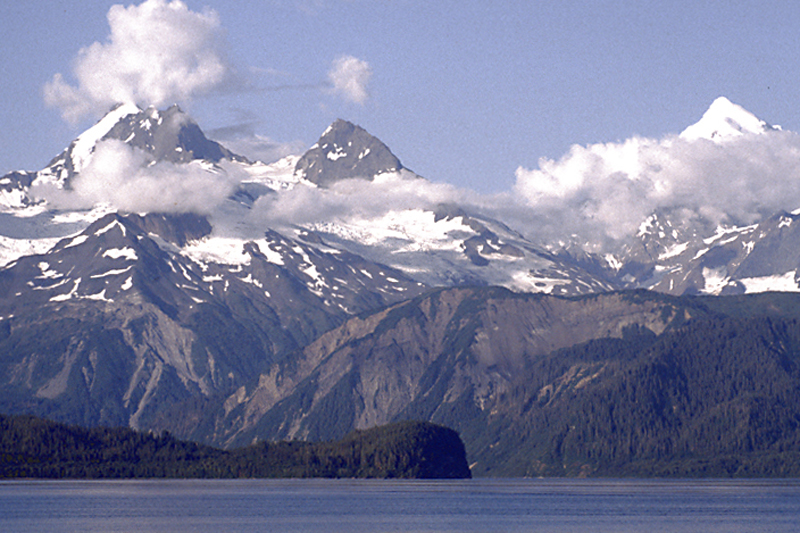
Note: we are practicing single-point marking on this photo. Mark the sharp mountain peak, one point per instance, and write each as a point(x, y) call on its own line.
point(725, 120)
point(344, 151)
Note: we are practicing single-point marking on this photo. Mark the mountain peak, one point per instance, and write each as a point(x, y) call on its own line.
point(725, 120)
point(80, 150)
point(168, 135)
point(346, 150)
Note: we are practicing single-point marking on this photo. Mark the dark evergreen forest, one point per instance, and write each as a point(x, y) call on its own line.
point(31, 447)
point(717, 397)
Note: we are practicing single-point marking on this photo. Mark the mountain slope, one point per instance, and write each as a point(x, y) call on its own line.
point(716, 398)
point(247, 323)
point(616, 384)
point(427, 356)
point(115, 325)
point(734, 260)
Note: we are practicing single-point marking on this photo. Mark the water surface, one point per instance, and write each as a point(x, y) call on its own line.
point(479, 505)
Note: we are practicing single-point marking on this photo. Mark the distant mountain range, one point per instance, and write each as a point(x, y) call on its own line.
point(243, 319)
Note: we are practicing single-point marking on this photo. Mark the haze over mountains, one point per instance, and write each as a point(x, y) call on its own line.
point(154, 279)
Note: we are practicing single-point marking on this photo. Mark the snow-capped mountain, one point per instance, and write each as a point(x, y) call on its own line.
point(144, 321)
point(175, 320)
point(680, 252)
point(725, 120)
point(168, 135)
point(439, 245)
point(443, 245)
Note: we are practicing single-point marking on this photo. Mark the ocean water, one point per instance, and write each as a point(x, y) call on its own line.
point(478, 505)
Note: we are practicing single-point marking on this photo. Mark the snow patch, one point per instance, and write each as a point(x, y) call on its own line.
point(271, 255)
point(101, 296)
point(715, 279)
point(109, 227)
point(338, 154)
point(83, 146)
point(13, 249)
point(782, 282)
point(613, 262)
point(77, 241)
point(222, 250)
point(673, 251)
point(47, 273)
point(252, 281)
point(528, 282)
point(114, 272)
point(128, 254)
point(69, 295)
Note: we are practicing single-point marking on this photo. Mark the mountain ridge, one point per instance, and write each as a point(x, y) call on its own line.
point(235, 324)
point(478, 250)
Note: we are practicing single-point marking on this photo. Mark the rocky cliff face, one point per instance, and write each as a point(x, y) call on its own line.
point(427, 356)
point(346, 151)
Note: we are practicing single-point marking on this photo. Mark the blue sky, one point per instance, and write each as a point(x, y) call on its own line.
point(463, 92)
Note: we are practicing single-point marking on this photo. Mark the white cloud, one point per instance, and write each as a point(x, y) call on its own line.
point(350, 77)
point(355, 199)
point(123, 177)
point(603, 192)
point(158, 52)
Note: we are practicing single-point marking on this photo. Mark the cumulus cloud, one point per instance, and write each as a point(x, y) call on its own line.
point(349, 77)
point(157, 52)
point(123, 177)
point(603, 192)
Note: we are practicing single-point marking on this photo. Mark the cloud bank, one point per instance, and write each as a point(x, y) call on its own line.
point(355, 199)
point(158, 52)
point(596, 196)
point(123, 177)
point(603, 192)
point(349, 77)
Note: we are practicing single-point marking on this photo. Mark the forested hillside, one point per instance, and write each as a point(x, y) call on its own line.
point(717, 397)
point(34, 448)
point(625, 384)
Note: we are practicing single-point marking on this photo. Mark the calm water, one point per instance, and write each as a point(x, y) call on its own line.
point(393, 506)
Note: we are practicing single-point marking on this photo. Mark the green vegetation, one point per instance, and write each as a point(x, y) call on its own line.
point(31, 447)
point(717, 397)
